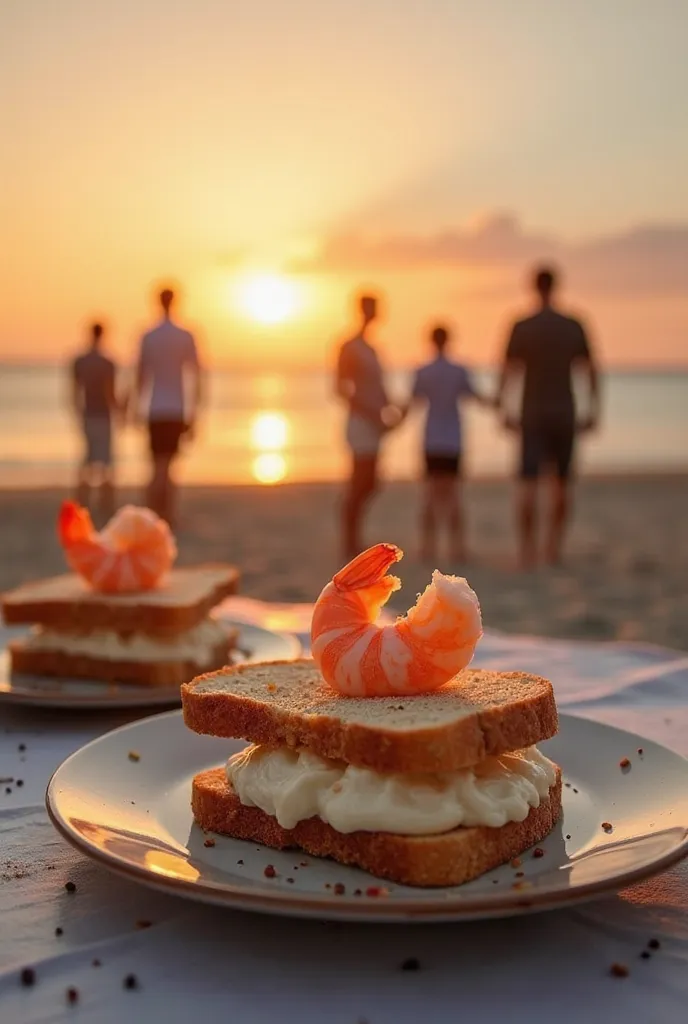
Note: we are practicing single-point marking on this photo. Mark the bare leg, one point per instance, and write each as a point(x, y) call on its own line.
point(428, 524)
point(455, 519)
point(526, 522)
point(159, 489)
point(83, 487)
point(362, 485)
point(558, 518)
point(107, 494)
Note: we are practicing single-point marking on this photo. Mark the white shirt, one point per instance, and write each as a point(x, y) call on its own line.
point(442, 384)
point(166, 353)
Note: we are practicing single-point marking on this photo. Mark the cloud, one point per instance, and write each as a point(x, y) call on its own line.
point(650, 259)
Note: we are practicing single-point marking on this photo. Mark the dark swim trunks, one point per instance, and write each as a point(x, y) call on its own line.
point(164, 436)
point(547, 444)
point(442, 465)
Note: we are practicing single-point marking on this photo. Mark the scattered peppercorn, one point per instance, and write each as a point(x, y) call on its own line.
point(653, 944)
point(20, 782)
point(95, 963)
point(240, 862)
point(640, 751)
point(303, 863)
point(208, 842)
point(358, 892)
point(519, 874)
point(412, 964)
point(568, 836)
point(495, 881)
point(22, 748)
point(58, 930)
point(72, 995)
point(131, 981)
point(624, 763)
point(143, 923)
point(538, 852)
point(619, 970)
point(291, 881)
point(28, 977)
point(568, 785)
point(70, 886)
point(575, 790)
point(645, 955)
point(339, 889)
point(270, 872)
point(8, 789)
point(133, 756)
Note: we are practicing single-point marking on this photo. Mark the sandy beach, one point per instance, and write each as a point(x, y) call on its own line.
point(624, 577)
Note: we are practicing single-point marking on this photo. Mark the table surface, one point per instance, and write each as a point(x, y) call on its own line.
point(250, 968)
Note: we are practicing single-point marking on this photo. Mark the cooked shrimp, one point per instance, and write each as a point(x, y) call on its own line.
point(418, 653)
point(133, 552)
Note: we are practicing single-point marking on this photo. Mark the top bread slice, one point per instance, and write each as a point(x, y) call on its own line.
point(478, 713)
point(67, 603)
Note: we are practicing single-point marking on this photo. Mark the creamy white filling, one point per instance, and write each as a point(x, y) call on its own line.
point(197, 645)
point(293, 786)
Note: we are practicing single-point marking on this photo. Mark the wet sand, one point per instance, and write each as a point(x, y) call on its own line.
point(624, 578)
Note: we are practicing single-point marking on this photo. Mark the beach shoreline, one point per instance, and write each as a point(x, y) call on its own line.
point(623, 577)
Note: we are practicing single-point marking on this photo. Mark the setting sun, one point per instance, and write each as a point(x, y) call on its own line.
point(268, 298)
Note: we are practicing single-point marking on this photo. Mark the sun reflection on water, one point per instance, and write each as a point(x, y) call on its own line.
point(269, 436)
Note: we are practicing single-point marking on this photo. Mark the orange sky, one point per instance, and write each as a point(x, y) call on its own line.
point(341, 143)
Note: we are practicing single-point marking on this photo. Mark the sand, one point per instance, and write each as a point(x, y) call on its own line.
point(624, 577)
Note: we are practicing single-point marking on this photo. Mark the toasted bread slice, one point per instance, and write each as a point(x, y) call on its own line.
point(179, 603)
point(61, 665)
point(450, 858)
point(288, 703)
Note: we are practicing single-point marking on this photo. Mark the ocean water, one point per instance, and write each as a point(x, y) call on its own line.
point(272, 427)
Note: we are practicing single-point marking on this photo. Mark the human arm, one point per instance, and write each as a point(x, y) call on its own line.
point(196, 377)
point(345, 388)
point(587, 364)
point(75, 390)
point(511, 370)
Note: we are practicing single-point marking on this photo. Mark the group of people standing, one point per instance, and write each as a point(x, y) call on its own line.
point(167, 394)
point(543, 353)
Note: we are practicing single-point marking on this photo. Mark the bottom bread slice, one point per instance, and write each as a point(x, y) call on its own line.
point(450, 858)
point(61, 665)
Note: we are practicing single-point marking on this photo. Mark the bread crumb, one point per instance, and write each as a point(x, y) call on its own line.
point(70, 886)
point(208, 842)
point(339, 889)
point(270, 872)
point(271, 688)
point(640, 751)
point(538, 852)
point(27, 977)
point(376, 890)
point(521, 885)
point(607, 826)
point(72, 995)
point(133, 755)
point(654, 944)
point(131, 981)
point(143, 924)
point(516, 862)
point(624, 763)
point(619, 970)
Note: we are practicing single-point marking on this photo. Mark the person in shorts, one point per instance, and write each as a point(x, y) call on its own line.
point(543, 354)
point(94, 398)
point(169, 369)
point(442, 385)
point(360, 383)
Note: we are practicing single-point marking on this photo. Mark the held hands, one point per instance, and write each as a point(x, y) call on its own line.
point(587, 425)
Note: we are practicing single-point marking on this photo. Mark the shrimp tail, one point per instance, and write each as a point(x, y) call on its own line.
point(74, 525)
point(368, 568)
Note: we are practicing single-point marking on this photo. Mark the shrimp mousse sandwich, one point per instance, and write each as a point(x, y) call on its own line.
point(124, 614)
point(384, 750)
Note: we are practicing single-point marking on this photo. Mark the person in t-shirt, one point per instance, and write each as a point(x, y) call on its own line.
point(169, 370)
point(544, 351)
point(360, 382)
point(95, 402)
point(442, 386)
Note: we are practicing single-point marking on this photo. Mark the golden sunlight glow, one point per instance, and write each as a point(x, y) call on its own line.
point(269, 431)
point(269, 468)
point(268, 298)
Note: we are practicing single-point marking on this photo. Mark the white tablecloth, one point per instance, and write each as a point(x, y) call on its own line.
point(210, 964)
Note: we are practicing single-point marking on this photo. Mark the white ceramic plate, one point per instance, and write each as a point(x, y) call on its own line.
point(133, 816)
point(253, 644)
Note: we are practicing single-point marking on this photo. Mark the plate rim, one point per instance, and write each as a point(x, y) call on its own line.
point(161, 697)
point(313, 905)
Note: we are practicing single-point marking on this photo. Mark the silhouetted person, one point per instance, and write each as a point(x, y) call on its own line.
point(168, 365)
point(95, 403)
point(442, 385)
point(545, 350)
point(360, 383)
